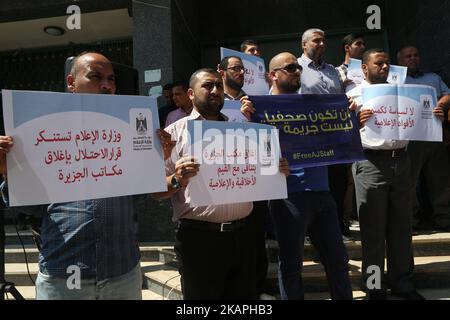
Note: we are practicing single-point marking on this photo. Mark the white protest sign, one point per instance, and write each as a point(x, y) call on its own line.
point(402, 112)
point(238, 163)
point(70, 147)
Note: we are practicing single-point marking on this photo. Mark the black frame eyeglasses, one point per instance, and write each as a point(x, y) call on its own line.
point(237, 68)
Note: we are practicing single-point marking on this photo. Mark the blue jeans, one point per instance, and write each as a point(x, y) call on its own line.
point(125, 287)
point(313, 214)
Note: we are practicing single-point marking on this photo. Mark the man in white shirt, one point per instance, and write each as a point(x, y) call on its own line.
point(382, 185)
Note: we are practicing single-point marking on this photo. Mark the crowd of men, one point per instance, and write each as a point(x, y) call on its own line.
point(323, 201)
point(221, 248)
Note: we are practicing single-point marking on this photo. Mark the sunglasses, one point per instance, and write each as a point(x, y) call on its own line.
point(290, 68)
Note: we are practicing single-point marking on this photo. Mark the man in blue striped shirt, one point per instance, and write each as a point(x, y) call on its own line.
point(89, 248)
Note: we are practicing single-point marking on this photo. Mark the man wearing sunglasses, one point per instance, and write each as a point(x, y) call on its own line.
point(309, 208)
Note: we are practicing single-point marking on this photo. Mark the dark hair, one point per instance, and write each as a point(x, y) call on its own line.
point(368, 53)
point(350, 38)
point(223, 65)
point(247, 43)
point(405, 47)
point(182, 84)
point(168, 86)
point(193, 79)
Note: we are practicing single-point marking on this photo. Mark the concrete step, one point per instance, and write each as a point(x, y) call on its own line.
point(17, 273)
point(11, 237)
point(426, 244)
point(430, 244)
point(29, 293)
point(162, 279)
point(163, 252)
point(429, 294)
point(430, 272)
point(435, 244)
point(15, 254)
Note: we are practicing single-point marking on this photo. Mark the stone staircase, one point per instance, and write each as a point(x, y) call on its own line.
point(162, 280)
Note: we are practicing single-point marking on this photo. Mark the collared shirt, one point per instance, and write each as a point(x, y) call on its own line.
point(163, 112)
point(430, 79)
point(373, 143)
point(176, 115)
point(239, 96)
point(181, 199)
point(323, 79)
point(99, 236)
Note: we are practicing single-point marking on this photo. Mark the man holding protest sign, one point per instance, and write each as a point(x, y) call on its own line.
point(89, 248)
point(382, 185)
point(232, 70)
point(310, 207)
point(215, 243)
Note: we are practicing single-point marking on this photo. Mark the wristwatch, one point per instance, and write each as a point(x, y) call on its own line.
point(175, 183)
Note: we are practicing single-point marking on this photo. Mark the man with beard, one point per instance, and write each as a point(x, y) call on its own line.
point(319, 77)
point(383, 197)
point(232, 72)
point(310, 208)
point(98, 236)
point(430, 158)
point(214, 243)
